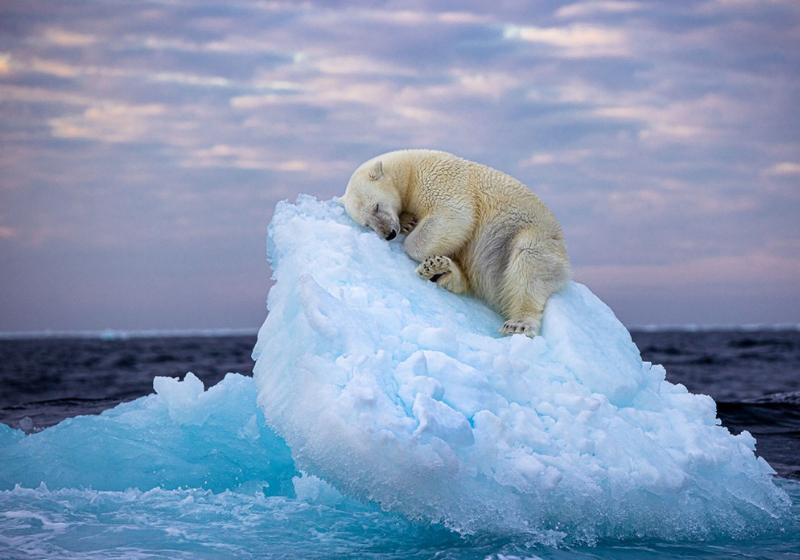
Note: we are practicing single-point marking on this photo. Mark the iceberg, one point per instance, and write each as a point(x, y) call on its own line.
point(398, 392)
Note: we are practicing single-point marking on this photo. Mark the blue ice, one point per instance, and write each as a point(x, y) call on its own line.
point(183, 436)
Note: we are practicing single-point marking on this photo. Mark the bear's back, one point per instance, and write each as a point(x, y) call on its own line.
point(501, 196)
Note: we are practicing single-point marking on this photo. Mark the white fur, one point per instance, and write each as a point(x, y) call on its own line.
point(473, 229)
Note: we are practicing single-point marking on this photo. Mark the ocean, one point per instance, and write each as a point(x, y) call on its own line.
point(752, 374)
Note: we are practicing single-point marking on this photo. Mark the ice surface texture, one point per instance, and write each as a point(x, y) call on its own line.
point(399, 392)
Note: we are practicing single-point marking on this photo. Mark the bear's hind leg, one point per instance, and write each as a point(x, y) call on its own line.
point(536, 270)
point(444, 272)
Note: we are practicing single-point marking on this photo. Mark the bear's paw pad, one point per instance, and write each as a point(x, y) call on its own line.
point(433, 268)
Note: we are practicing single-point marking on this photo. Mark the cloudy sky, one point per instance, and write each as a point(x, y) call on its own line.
point(143, 145)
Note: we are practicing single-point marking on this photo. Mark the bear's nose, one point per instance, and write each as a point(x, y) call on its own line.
point(392, 234)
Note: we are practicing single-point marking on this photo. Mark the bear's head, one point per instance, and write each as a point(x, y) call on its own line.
point(373, 200)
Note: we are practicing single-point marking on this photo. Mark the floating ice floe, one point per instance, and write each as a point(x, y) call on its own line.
point(183, 436)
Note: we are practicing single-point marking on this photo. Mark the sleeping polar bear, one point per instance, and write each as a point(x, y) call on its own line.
point(473, 229)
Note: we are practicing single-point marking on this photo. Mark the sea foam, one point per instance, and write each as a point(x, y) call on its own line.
point(398, 392)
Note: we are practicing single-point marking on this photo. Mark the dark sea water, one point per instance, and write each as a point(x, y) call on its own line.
point(753, 375)
point(45, 380)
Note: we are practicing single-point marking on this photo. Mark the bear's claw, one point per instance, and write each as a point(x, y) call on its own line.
point(407, 223)
point(519, 326)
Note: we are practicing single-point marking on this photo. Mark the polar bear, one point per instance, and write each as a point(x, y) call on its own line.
point(473, 229)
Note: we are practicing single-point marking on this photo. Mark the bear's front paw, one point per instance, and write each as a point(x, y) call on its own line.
point(528, 327)
point(407, 223)
point(434, 268)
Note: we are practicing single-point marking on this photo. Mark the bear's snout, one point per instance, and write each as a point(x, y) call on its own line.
point(385, 224)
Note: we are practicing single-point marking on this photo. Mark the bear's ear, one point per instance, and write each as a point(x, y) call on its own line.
point(376, 172)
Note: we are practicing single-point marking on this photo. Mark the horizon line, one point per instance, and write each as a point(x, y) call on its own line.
point(124, 334)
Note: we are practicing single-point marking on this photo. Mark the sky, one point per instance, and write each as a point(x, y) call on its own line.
point(144, 145)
